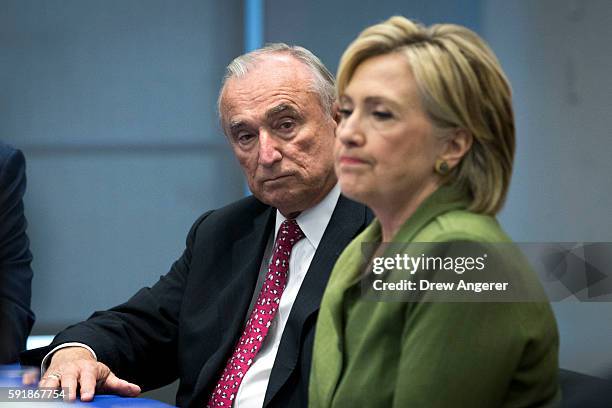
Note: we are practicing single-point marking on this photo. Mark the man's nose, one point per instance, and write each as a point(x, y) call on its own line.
point(269, 152)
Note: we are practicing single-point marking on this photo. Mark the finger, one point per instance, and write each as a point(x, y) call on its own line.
point(122, 387)
point(88, 381)
point(29, 378)
point(49, 381)
point(69, 381)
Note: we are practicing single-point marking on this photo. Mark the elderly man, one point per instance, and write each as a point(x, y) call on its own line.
point(234, 318)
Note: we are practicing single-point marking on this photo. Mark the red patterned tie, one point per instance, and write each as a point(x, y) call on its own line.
point(261, 317)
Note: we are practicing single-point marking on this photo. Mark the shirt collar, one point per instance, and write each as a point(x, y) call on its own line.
point(313, 221)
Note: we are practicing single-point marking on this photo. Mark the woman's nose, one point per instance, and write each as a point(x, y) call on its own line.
point(349, 131)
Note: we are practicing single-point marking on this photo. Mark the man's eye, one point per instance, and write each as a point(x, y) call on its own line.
point(382, 115)
point(345, 113)
point(244, 138)
point(287, 125)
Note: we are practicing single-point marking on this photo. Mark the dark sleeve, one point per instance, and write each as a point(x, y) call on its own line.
point(137, 339)
point(16, 318)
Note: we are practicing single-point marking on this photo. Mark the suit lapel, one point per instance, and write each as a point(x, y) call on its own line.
point(235, 299)
point(247, 254)
point(347, 220)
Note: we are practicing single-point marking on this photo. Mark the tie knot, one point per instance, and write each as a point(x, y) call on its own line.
point(290, 232)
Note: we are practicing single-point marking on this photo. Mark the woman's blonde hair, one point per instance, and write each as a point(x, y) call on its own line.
point(461, 85)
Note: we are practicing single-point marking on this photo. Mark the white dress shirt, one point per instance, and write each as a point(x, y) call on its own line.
point(313, 223)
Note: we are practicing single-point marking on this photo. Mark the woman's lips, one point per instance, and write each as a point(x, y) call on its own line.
point(352, 161)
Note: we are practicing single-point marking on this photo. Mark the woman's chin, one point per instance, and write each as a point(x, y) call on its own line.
point(353, 190)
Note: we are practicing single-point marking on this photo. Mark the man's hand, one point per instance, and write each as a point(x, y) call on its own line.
point(72, 366)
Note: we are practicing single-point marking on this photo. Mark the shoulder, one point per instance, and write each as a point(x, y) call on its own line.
point(244, 208)
point(11, 160)
point(233, 219)
point(462, 225)
point(12, 176)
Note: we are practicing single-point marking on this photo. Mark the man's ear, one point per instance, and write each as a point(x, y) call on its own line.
point(335, 111)
point(457, 144)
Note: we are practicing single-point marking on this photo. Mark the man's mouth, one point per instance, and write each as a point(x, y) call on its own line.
point(277, 178)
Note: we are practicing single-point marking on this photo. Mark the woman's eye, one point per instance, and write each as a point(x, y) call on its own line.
point(382, 115)
point(345, 113)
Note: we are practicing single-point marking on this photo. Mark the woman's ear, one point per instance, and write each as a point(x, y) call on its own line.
point(458, 143)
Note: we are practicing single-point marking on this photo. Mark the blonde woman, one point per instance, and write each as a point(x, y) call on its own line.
point(426, 140)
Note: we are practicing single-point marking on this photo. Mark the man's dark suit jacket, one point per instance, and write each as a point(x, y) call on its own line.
point(187, 324)
point(16, 318)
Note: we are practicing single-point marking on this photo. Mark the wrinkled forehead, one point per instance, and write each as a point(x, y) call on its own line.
point(267, 84)
point(261, 93)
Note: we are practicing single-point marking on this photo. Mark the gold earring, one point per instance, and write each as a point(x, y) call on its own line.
point(442, 167)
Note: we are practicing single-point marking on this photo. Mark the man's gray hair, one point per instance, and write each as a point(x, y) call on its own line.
point(323, 83)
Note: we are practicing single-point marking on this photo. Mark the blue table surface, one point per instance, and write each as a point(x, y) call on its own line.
point(10, 376)
point(114, 401)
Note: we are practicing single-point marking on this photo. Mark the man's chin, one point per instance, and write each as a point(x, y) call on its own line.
point(275, 191)
point(286, 202)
